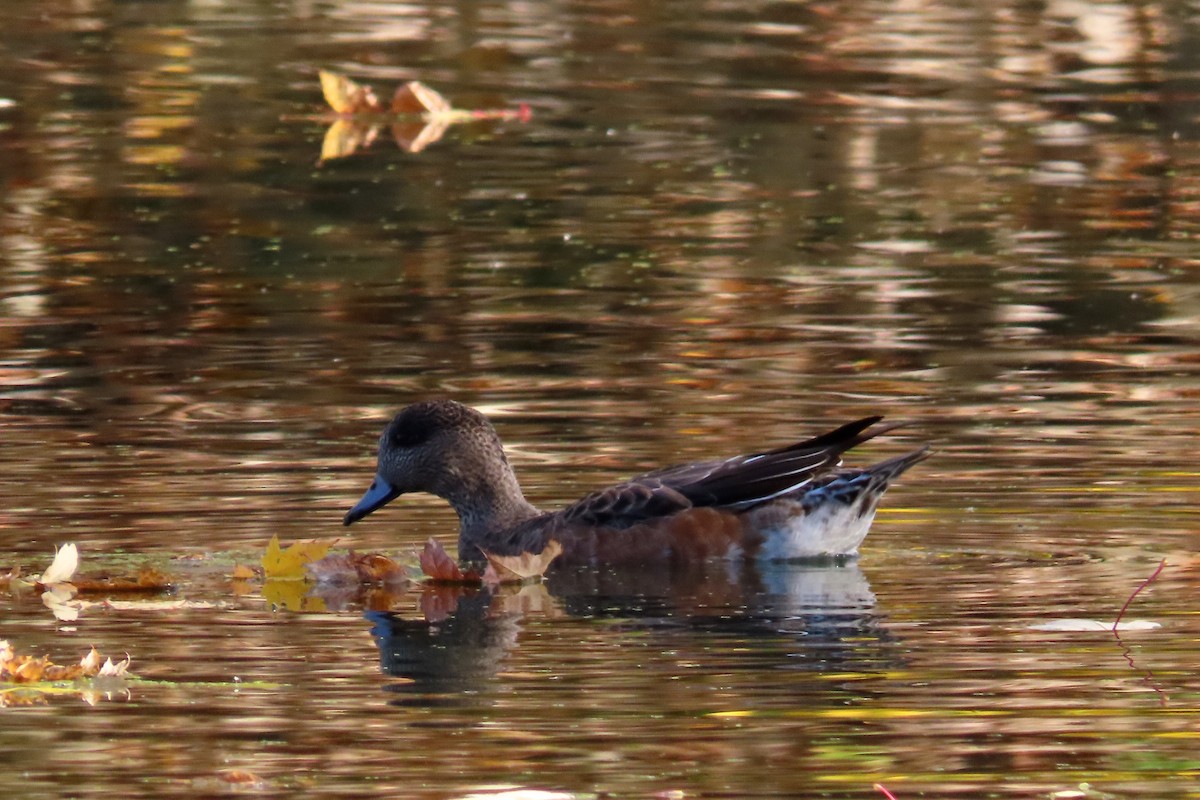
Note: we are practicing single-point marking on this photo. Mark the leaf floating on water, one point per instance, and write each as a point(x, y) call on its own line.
point(148, 579)
point(415, 97)
point(419, 116)
point(30, 678)
point(437, 565)
point(1079, 625)
point(525, 566)
point(347, 97)
point(356, 568)
point(241, 572)
point(280, 564)
point(66, 561)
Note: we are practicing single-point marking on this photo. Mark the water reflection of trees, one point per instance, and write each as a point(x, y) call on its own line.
point(719, 220)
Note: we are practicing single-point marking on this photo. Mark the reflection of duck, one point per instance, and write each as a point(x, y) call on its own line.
point(797, 616)
point(792, 502)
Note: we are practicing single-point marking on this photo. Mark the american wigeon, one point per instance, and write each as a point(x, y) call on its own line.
point(792, 502)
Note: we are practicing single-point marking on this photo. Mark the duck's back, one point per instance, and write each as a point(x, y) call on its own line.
point(793, 502)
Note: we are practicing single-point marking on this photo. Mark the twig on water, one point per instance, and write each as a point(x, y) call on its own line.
point(1148, 678)
point(1136, 591)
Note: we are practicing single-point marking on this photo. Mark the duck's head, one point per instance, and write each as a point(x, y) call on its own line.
point(441, 447)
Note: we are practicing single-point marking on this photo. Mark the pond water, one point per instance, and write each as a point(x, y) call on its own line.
point(722, 226)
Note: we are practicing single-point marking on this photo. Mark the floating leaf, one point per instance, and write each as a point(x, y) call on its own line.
point(347, 97)
point(66, 561)
point(279, 564)
point(241, 572)
point(437, 565)
point(525, 566)
point(420, 116)
point(148, 579)
point(117, 670)
point(356, 568)
point(36, 676)
point(415, 97)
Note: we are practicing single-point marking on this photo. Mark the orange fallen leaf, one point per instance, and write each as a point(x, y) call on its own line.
point(148, 579)
point(241, 572)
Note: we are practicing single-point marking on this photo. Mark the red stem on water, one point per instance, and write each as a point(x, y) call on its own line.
point(1136, 591)
point(879, 787)
point(1149, 676)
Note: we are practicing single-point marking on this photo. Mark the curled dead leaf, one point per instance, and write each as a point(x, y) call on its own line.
point(356, 568)
point(525, 566)
point(21, 669)
point(438, 566)
point(148, 579)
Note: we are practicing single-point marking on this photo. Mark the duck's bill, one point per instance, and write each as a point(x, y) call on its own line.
point(379, 495)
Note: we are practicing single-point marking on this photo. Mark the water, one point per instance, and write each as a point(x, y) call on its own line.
point(724, 226)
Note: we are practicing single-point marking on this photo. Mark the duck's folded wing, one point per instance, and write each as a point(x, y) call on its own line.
point(736, 483)
point(626, 504)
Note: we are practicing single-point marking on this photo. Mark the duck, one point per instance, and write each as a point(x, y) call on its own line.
point(788, 503)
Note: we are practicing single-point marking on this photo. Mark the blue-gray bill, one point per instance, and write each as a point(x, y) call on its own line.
point(379, 495)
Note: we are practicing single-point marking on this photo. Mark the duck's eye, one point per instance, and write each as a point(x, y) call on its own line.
point(409, 435)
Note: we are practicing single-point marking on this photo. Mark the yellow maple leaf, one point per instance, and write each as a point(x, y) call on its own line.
point(280, 564)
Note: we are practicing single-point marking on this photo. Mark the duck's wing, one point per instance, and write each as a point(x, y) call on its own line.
point(736, 483)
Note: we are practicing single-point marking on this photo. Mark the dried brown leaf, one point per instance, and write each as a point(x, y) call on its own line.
point(437, 565)
point(25, 670)
point(356, 568)
point(525, 566)
point(148, 579)
point(415, 97)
